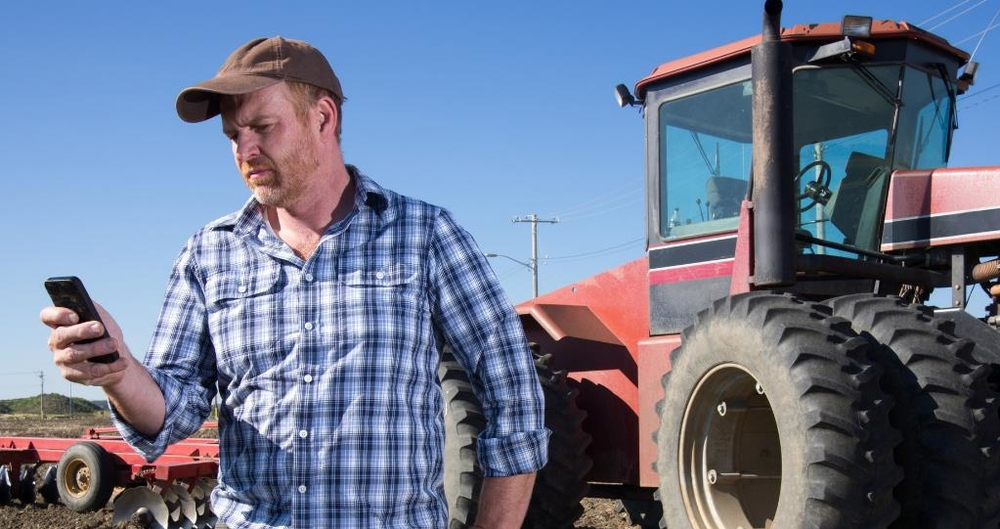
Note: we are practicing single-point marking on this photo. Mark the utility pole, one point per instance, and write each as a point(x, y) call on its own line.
point(41, 396)
point(534, 220)
point(41, 379)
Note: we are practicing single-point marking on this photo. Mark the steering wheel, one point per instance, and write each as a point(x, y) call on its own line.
point(818, 190)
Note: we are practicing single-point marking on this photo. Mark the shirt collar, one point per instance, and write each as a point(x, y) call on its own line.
point(369, 197)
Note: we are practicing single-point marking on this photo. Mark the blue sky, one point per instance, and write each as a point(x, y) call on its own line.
point(494, 110)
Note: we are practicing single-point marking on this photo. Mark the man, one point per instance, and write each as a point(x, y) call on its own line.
point(318, 312)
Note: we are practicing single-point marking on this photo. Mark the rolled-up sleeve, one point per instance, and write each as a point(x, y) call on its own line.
point(480, 324)
point(181, 361)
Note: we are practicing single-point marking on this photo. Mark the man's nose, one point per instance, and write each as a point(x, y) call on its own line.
point(245, 147)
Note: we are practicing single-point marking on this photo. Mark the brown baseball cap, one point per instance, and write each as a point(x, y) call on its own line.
point(258, 64)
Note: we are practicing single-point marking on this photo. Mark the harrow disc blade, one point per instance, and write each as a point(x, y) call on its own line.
point(180, 504)
point(5, 492)
point(202, 494)
point(144, 502)
point(50, 491)
point(26, 485)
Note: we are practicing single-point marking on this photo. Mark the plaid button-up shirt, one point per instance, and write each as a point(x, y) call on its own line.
point(331, 410)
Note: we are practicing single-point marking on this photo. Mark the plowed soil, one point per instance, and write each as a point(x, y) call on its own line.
point(598, 514)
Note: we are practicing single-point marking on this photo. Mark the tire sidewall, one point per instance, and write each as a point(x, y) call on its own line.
point(742, 345)
point(98, 461)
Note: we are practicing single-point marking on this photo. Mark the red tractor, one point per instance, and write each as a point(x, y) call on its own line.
point(770, 362)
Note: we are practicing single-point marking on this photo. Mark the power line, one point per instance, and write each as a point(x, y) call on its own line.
point(966, 106)
point(510, 273)
point(607, 204)
point(946, 11)
point(983, 37)
point(935, 26)
point(976, 34)
point(606, 210)
point(610, 249)
point(978, 92)
point(628, 189)
point(980, 102)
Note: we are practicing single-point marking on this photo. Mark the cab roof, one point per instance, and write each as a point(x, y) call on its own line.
point(801, 33)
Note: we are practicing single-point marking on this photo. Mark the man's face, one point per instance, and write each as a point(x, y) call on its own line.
point(275, 150)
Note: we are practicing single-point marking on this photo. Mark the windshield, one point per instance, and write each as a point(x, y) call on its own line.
point(843, 120)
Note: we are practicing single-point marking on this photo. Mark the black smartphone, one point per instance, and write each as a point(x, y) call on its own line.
point(68, 292)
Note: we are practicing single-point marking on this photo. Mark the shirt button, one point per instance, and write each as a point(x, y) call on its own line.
point(303, 434)
point(242, 289)
point(302, 489)
point(309, 278)
point(380, 275)
point(308, 378)
point(308, 325)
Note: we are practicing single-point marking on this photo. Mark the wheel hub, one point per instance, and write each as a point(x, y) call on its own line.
point(730, 456)
point(78, 478)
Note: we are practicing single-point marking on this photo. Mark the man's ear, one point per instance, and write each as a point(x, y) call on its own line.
point(328, 115)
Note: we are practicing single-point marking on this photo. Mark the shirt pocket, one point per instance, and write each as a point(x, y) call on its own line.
point(234, 287)
point(384, 304)
point(244, 319)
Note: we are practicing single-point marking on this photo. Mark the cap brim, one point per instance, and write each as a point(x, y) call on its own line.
point(201, 101)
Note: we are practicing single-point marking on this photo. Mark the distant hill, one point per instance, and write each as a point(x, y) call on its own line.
point(55, 404)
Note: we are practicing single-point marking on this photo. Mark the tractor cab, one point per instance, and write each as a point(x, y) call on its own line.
point(868, 99)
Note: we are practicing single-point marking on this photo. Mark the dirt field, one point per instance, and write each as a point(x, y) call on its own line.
point(599, 514)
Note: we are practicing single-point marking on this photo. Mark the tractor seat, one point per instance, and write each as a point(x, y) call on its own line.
point(724, 196)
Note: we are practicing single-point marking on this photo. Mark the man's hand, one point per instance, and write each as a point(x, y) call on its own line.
point(71, 357)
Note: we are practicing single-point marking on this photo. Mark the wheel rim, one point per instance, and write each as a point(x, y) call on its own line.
point(77, 478)
point(730, 453)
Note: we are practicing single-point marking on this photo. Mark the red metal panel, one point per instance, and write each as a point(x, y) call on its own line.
point(941, 207)
point(654, 362)
point(743, 261)
point(691, 269)
point(169, 471)
point(674, 274)
point(592, 328)
point(618, 300)
point(942, 191)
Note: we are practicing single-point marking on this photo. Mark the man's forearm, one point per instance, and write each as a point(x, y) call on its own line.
point(504, 501)
point(138, 399)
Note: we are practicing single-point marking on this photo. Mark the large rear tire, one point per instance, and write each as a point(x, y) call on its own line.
point(463, 420)
point(987, 352)
point(559, 487)
point(773, 417)
point(944, 408)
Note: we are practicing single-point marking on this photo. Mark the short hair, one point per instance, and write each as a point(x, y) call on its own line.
point(305, 95)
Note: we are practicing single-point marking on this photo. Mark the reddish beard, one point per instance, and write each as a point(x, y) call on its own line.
point(260, 163)
point(266, 188)
point(287, 178)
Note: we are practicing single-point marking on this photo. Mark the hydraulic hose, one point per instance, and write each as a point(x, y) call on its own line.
point(986, 271)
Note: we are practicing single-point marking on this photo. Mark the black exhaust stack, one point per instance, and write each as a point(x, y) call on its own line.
point(773, 193)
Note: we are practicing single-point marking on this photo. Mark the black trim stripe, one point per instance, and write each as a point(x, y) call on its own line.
point(924, 229)
point(686, 254)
